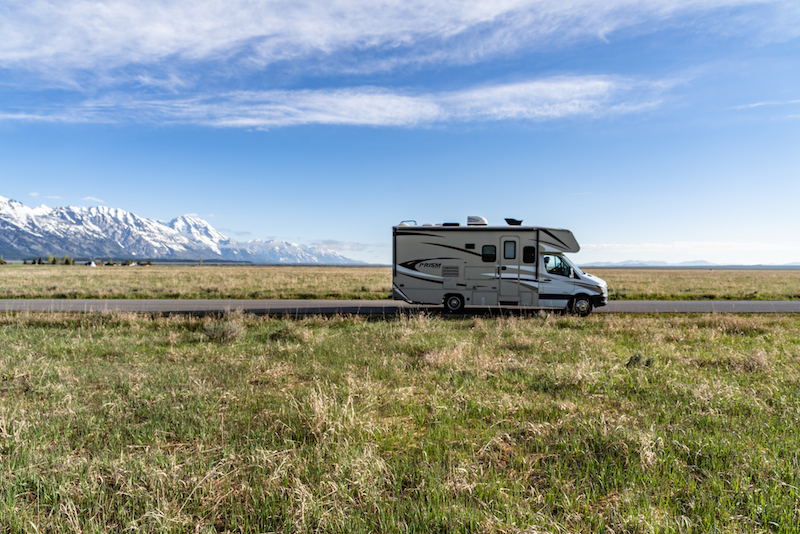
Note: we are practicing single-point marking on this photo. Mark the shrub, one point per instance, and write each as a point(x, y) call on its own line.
point(226, 331)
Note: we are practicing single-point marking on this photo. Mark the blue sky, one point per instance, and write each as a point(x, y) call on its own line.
point(655, 130)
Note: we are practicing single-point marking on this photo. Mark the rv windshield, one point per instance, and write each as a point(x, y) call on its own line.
point(574, 267)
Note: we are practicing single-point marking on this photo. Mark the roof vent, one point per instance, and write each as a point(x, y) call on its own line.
point(450, 224)
point(514, 222)
point(475, 220)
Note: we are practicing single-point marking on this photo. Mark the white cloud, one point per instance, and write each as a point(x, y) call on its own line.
point(33, 194)
point(54, 197)
point(768, 103)
point(52, 115)
point(92, 199)
point(334, 244)
point(237, 233)
point(719, 252)
point(690, 247)
point(537, 100)
point(57, 38)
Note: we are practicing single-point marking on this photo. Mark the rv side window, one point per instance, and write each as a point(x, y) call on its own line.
point(529, 254)
point(489, 253)
point(509, 250)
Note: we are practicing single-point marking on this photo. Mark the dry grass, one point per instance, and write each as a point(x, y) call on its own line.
point(700, 284)
point(121, 422)
point(195, 282)
point(252, 282)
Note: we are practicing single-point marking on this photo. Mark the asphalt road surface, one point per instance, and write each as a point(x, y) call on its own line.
point(371, 307)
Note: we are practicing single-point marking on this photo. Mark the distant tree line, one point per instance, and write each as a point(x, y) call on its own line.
point(68, 260)
point(51, 260)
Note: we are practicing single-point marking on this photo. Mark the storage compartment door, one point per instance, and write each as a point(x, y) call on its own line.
point(509, 268)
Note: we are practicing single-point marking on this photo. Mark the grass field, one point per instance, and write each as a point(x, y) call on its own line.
point(195, 282)
point(249, 282)
point(700, 284)
point(133, 423)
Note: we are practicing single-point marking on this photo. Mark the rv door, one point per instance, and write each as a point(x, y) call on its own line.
point(509, 269)
point(555, 287)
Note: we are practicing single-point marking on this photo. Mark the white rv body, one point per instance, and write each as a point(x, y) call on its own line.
point(481, 265)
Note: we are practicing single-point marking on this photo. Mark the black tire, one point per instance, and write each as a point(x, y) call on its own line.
point(581, 305)
point(454, 303)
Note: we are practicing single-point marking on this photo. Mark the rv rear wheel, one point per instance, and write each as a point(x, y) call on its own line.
point(453, 303)
point(581, 305)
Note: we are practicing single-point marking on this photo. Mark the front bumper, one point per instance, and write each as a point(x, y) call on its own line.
point(599, 300)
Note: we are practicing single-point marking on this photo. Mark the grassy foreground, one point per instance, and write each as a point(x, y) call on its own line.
point(289, 282)
point(132, 423)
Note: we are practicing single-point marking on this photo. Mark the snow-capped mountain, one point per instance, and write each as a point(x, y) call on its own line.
point(103, 232)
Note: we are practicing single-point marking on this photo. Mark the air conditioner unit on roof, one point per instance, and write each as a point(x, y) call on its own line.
point(475, 220)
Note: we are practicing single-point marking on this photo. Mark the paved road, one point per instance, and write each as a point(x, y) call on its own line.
point(372, 307)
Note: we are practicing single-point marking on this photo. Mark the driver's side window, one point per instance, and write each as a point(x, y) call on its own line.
point(554, 265)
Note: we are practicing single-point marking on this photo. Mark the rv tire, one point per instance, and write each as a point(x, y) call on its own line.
point(453, 303)
point(581, 305)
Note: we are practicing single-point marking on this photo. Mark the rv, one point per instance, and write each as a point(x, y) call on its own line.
point(482, 265)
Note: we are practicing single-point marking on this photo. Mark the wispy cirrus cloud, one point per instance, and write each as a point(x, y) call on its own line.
point(347, 246)
point(768, 103)
point(536, 100)
point(158, 42)
point(93, 199)
point(693, 247)
point(719, 252)
point(237, 233)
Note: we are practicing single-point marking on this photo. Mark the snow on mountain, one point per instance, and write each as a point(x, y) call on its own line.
point(196, 229)
point(104, 232)
point(285, 252)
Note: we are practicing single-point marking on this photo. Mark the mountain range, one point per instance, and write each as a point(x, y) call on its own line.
point(102, 232)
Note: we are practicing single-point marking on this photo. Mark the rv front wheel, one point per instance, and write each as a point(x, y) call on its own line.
point(581, 305)
point(454, 303)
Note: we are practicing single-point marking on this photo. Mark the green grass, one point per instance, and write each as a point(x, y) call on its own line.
point(133, 423)
point(355, 283)
point(700, 284)
point(194, 282)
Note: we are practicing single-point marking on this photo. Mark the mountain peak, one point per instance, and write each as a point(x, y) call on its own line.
point(106, 232)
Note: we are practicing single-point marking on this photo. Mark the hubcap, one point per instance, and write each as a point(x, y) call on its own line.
point(582, 306)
